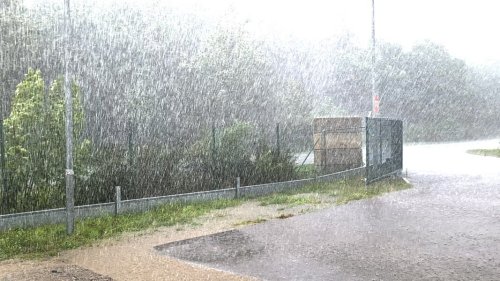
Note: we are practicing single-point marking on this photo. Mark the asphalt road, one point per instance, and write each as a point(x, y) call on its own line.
point(446, 228)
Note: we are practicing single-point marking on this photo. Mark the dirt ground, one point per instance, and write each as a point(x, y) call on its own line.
point(132, 256)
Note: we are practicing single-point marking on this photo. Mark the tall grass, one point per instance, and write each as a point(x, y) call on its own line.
point(51, 239)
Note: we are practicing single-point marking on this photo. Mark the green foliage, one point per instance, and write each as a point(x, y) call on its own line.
point(343, 191)
point(486, 152)
point(306, 171)
point(233, 154)
point(35, 142)
point(236, 152)
point(439, 97)
point(271, 166)
point(288, 199)
point(219, 157)
point(350, 190)
point(154, 169)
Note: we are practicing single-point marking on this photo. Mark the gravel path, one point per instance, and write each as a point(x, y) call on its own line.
point(446, 228)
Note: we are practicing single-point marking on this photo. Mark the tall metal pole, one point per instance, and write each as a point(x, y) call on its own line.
point(70, 175)
point(3, 170)
point(215, 170)
point(6, 198)
point(375, 97)
point(278, 139)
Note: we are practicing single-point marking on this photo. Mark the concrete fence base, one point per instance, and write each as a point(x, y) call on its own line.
point(55, 216)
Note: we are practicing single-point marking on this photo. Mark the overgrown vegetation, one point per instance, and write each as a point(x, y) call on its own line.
point(306, 171)
point(36, 157)
point(486, 152)
point(237, 151)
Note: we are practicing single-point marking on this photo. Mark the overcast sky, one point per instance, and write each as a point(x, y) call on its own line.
point(469, 29)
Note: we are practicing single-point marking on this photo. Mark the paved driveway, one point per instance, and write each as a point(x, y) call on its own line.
point(446, 228)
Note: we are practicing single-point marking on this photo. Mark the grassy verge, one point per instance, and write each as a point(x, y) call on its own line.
point(344, 191)
point(306, 171)
point(485, 152)
point(51, 239)
point(288, 199)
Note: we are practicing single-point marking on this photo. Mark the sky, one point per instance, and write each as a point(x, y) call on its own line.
point(467, 28)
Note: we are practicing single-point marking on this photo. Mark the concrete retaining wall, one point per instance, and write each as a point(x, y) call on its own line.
point(54, 216)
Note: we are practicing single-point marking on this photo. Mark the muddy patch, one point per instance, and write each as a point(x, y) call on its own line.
point(57, 273)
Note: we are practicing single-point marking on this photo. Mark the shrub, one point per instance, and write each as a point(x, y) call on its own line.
point(216, 161)
point(271, 166)
point(35, 144)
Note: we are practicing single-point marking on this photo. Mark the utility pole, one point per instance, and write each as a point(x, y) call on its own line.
point(3, 168)
point(6, 194)
point(375, 96)
point(70, 174)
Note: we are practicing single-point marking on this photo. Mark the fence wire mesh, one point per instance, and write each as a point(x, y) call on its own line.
point(384, 147)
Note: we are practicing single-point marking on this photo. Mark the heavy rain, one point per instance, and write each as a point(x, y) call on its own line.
point(215, 140)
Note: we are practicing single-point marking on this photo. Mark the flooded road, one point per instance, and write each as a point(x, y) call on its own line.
point(446, 228)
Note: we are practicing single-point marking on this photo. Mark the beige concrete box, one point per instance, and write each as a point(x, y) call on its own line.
point(336, 123)
point(337, 140)
point(338, 143)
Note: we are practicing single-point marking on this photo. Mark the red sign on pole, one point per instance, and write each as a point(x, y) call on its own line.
point(376, 102)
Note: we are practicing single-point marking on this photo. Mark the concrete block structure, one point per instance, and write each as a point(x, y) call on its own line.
point(338, 143)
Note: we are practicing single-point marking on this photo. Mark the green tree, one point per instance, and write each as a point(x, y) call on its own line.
point(35, 144)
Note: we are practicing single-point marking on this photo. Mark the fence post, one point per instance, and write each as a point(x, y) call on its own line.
point(367, 150)
point(213, 155)
point(380, 142)
point(323, 152)
point(118, 200)
point(278, 139)
point(237, 189)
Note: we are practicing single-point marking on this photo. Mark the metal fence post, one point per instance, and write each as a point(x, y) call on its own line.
point(278, 139)
point(323, 152)
point(213, 168)
point(130, 143)
point(118, 200)
point(237, 189)
point(68, 104)
point(367, 150)
point(380, 139)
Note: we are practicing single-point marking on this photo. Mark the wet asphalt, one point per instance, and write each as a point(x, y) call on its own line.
point(445, 228)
